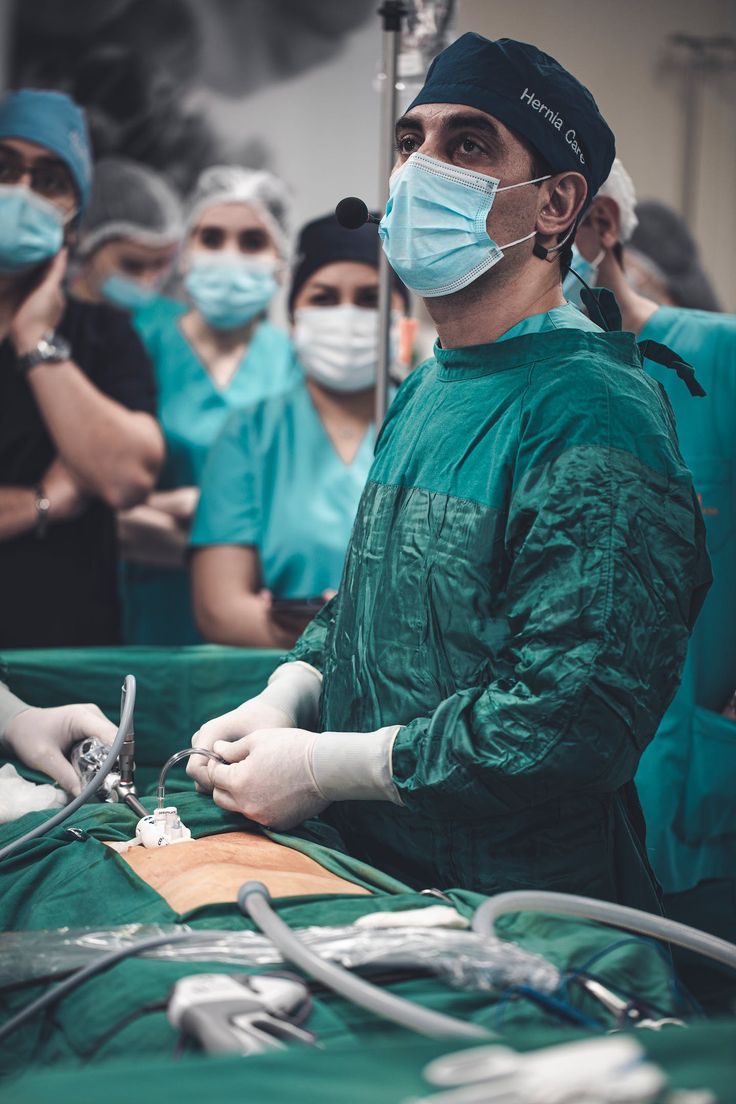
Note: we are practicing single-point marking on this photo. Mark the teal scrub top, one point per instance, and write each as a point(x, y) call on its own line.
point(274, 480)
point(687, 776)
point(524, 570)
point(192, 410)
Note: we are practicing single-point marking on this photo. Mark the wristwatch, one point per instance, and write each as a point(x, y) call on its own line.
point(43, 507)
point(51, 349)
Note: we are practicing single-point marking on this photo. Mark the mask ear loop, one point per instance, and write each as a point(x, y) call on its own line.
point(521, 184)
point(524, 183)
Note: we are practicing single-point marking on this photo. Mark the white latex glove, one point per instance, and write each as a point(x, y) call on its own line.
point(268, 777)
point(290, 699)
point(41, 738)
point(280, 777)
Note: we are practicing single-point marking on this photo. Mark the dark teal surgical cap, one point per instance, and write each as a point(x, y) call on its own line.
point(53, 120)
point(531, 94)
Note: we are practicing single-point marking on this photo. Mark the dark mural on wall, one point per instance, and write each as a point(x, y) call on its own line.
point(134, 65)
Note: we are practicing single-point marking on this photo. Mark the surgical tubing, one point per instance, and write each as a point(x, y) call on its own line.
point(127, 707)
point(99, 966)
point(605, 912)
point(176, 758)
point(254, 901)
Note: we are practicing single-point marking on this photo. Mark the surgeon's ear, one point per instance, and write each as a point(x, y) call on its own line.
point(605, 218)
point(562, 198)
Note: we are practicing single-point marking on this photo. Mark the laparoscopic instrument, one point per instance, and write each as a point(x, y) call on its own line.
point(107, 774)
point(164, 825)
point(120, 752)
point(241, 1013)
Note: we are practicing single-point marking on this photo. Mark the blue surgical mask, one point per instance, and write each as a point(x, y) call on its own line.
point(228, 290)
point(434, 230)
point(587, 270)
point(31, 229)
point(126, 293)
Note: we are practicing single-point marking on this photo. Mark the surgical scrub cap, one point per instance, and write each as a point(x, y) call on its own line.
point(532, 95)
point(324, 241)
point(130, 201)
point(620, 187)
point(55, 121)
point(662, 236)
point(233, 184)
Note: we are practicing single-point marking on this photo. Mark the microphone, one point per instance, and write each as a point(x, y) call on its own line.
point(352, 213)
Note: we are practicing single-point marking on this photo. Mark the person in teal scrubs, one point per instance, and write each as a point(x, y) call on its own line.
point(687, 776)
point(212, 355)
point(129, 237)
point(282, 483)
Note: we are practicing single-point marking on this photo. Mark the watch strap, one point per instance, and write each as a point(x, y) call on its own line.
point(51, 349)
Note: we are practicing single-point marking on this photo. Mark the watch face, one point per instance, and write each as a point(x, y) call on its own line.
point(54, 348)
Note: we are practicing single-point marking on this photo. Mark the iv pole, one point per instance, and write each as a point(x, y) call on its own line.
point(392, 13)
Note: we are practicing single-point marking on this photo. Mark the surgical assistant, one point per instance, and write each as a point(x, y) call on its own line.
point(528, 557)
point(282, 483)
point(211, 357)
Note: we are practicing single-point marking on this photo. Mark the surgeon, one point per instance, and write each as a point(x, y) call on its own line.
point(129, 236)
point(212, 355)
point(687, 777)
point(43, 738)
point(282, 483)
point(528, 556)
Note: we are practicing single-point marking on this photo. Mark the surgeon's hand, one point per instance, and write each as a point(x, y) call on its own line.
point(268, 777)
point(42, 738)
point(252, 715)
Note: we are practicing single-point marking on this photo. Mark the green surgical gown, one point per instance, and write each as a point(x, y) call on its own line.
point(192, 411)
point(687, 777)
point(526, 565)
point(274, 480)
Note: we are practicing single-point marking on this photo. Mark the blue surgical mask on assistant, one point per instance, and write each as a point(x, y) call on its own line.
point(434, 230)
point(229, 290)
point(126, 293)
point(31, 229)
point(586, 270)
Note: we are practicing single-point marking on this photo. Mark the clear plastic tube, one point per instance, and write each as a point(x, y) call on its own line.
point(620, 916)
point(176, 758)
point(462, 959)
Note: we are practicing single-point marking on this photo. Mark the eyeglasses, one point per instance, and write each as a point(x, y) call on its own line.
point(48, 177)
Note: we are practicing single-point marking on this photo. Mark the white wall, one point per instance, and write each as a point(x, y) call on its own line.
point(321, 127)
point(617, 49)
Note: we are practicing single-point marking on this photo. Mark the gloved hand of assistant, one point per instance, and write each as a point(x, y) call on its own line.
point(280, 777)
point(42, 738)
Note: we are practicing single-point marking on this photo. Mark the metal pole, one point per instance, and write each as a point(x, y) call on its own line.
point(392, 13)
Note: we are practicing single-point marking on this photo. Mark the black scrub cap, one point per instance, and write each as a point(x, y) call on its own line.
point(324, 241)
point(531, 94)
